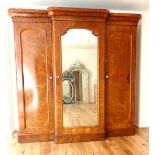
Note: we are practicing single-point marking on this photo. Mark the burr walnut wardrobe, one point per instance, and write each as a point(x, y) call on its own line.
point(76, 73)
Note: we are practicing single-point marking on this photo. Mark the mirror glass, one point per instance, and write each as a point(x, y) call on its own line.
point(67, 91)
point(80, 78)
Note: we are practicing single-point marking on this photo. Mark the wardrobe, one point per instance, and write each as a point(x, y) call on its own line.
point(75, 73)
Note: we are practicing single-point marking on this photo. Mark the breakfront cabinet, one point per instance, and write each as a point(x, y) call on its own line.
point(75, 71)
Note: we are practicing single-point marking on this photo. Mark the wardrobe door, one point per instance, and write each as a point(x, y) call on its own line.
point(79, 120)
point(34, 81)
point(79, 53)
point(120, 83)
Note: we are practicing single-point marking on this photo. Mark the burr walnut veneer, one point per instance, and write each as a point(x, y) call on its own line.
point(37, 36)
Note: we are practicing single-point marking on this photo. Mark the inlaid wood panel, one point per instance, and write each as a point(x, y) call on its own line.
point(34, 66)
point(35, 78)
point(121, 82)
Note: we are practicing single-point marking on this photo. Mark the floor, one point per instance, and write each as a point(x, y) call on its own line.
point(80, 114)
point(127, 145)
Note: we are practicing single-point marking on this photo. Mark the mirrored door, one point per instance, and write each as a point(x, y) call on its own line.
point(79, 83)
point(80, 78)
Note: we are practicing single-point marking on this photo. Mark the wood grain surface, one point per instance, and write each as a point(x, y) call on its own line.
point(39, 72)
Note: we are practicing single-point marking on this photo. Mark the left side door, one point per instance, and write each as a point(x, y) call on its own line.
point(34, 81)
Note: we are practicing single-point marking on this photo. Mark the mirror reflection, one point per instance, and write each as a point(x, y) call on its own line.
point(68, 88)
point(79, 84)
